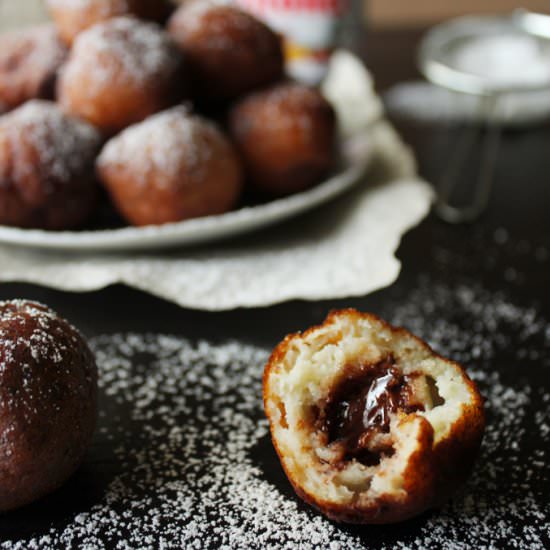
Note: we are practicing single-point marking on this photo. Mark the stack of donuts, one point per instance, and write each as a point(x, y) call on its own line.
point(172, 113)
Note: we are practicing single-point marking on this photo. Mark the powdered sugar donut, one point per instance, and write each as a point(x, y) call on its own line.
point(370, 424)
point(48, 401)
point(286, 136)
point(73, 16)
point(46, 167)
point(29, 61)
point(229, 51)
point(120, 72)
point(171, 167)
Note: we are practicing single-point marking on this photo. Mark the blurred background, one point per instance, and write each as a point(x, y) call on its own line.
point(380, 13)
point(392, 13)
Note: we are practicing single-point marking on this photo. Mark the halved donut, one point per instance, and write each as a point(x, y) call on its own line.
point(370, 424)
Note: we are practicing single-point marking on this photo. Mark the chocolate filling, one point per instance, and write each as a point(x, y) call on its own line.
point(359, 408)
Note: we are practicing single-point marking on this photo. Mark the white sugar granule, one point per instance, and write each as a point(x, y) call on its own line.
point(194, 477)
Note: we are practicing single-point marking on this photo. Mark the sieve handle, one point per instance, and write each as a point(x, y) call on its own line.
point(490, 147)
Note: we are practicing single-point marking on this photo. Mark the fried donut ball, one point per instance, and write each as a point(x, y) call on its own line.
point(46, 167)
point(370, 424)
point(120, 72)
point(48, 401)
point(229, 52)
point(286, 137)
point(74, 16)
point(29, 61)
point(172, 167)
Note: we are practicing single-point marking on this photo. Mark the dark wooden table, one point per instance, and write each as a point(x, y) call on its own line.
point(505, 254)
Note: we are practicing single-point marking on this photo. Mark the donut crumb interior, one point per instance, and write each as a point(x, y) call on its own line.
point(352, 401)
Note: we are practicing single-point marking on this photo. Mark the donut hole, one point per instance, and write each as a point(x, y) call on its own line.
point(370, 464)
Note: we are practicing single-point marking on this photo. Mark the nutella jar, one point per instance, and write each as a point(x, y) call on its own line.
point(311, 29)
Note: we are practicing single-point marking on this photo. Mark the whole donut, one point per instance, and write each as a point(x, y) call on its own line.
point(229, 51)
point(29, 61)
point(46, 167)
point(74, 16)
point(286, 137)
point(120, 72)
point(169, 168)
point(48, 401)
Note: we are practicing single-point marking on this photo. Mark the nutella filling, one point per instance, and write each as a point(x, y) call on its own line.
point(357, 413)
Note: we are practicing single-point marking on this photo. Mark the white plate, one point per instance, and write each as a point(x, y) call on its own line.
point(198, 230)
point(347, 87)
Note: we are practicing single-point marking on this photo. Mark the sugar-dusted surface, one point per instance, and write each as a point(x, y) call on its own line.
point(284, 107)
point(220, 26)
point(32, 336)
point(62, 146)
point(44, 52)
point(168, 144)
point(48, 388)
point(15, 317)
point(125, 50)
point(29, 60)
point(194, 467)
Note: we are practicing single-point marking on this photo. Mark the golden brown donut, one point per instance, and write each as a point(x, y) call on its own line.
point(74, 16)
point(229, 51)
point(370, 424)
point(286, 138)
point(46, 167)
point(120, 72)
point(29, 61)
point(169, 168)
point(48, 401)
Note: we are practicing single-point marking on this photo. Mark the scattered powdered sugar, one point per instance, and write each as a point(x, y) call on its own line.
point(122, 49)
point(64, 146)
point(186, 425)
point(174, 143)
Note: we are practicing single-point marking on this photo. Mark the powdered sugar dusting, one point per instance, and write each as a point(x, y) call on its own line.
point(123, 49)
point(286, 107)
point(29, 60)
point(41, 342)
point(64, 146)
point(33, 340)
point(219, 27)
point(199, 470)
point(170, 144)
